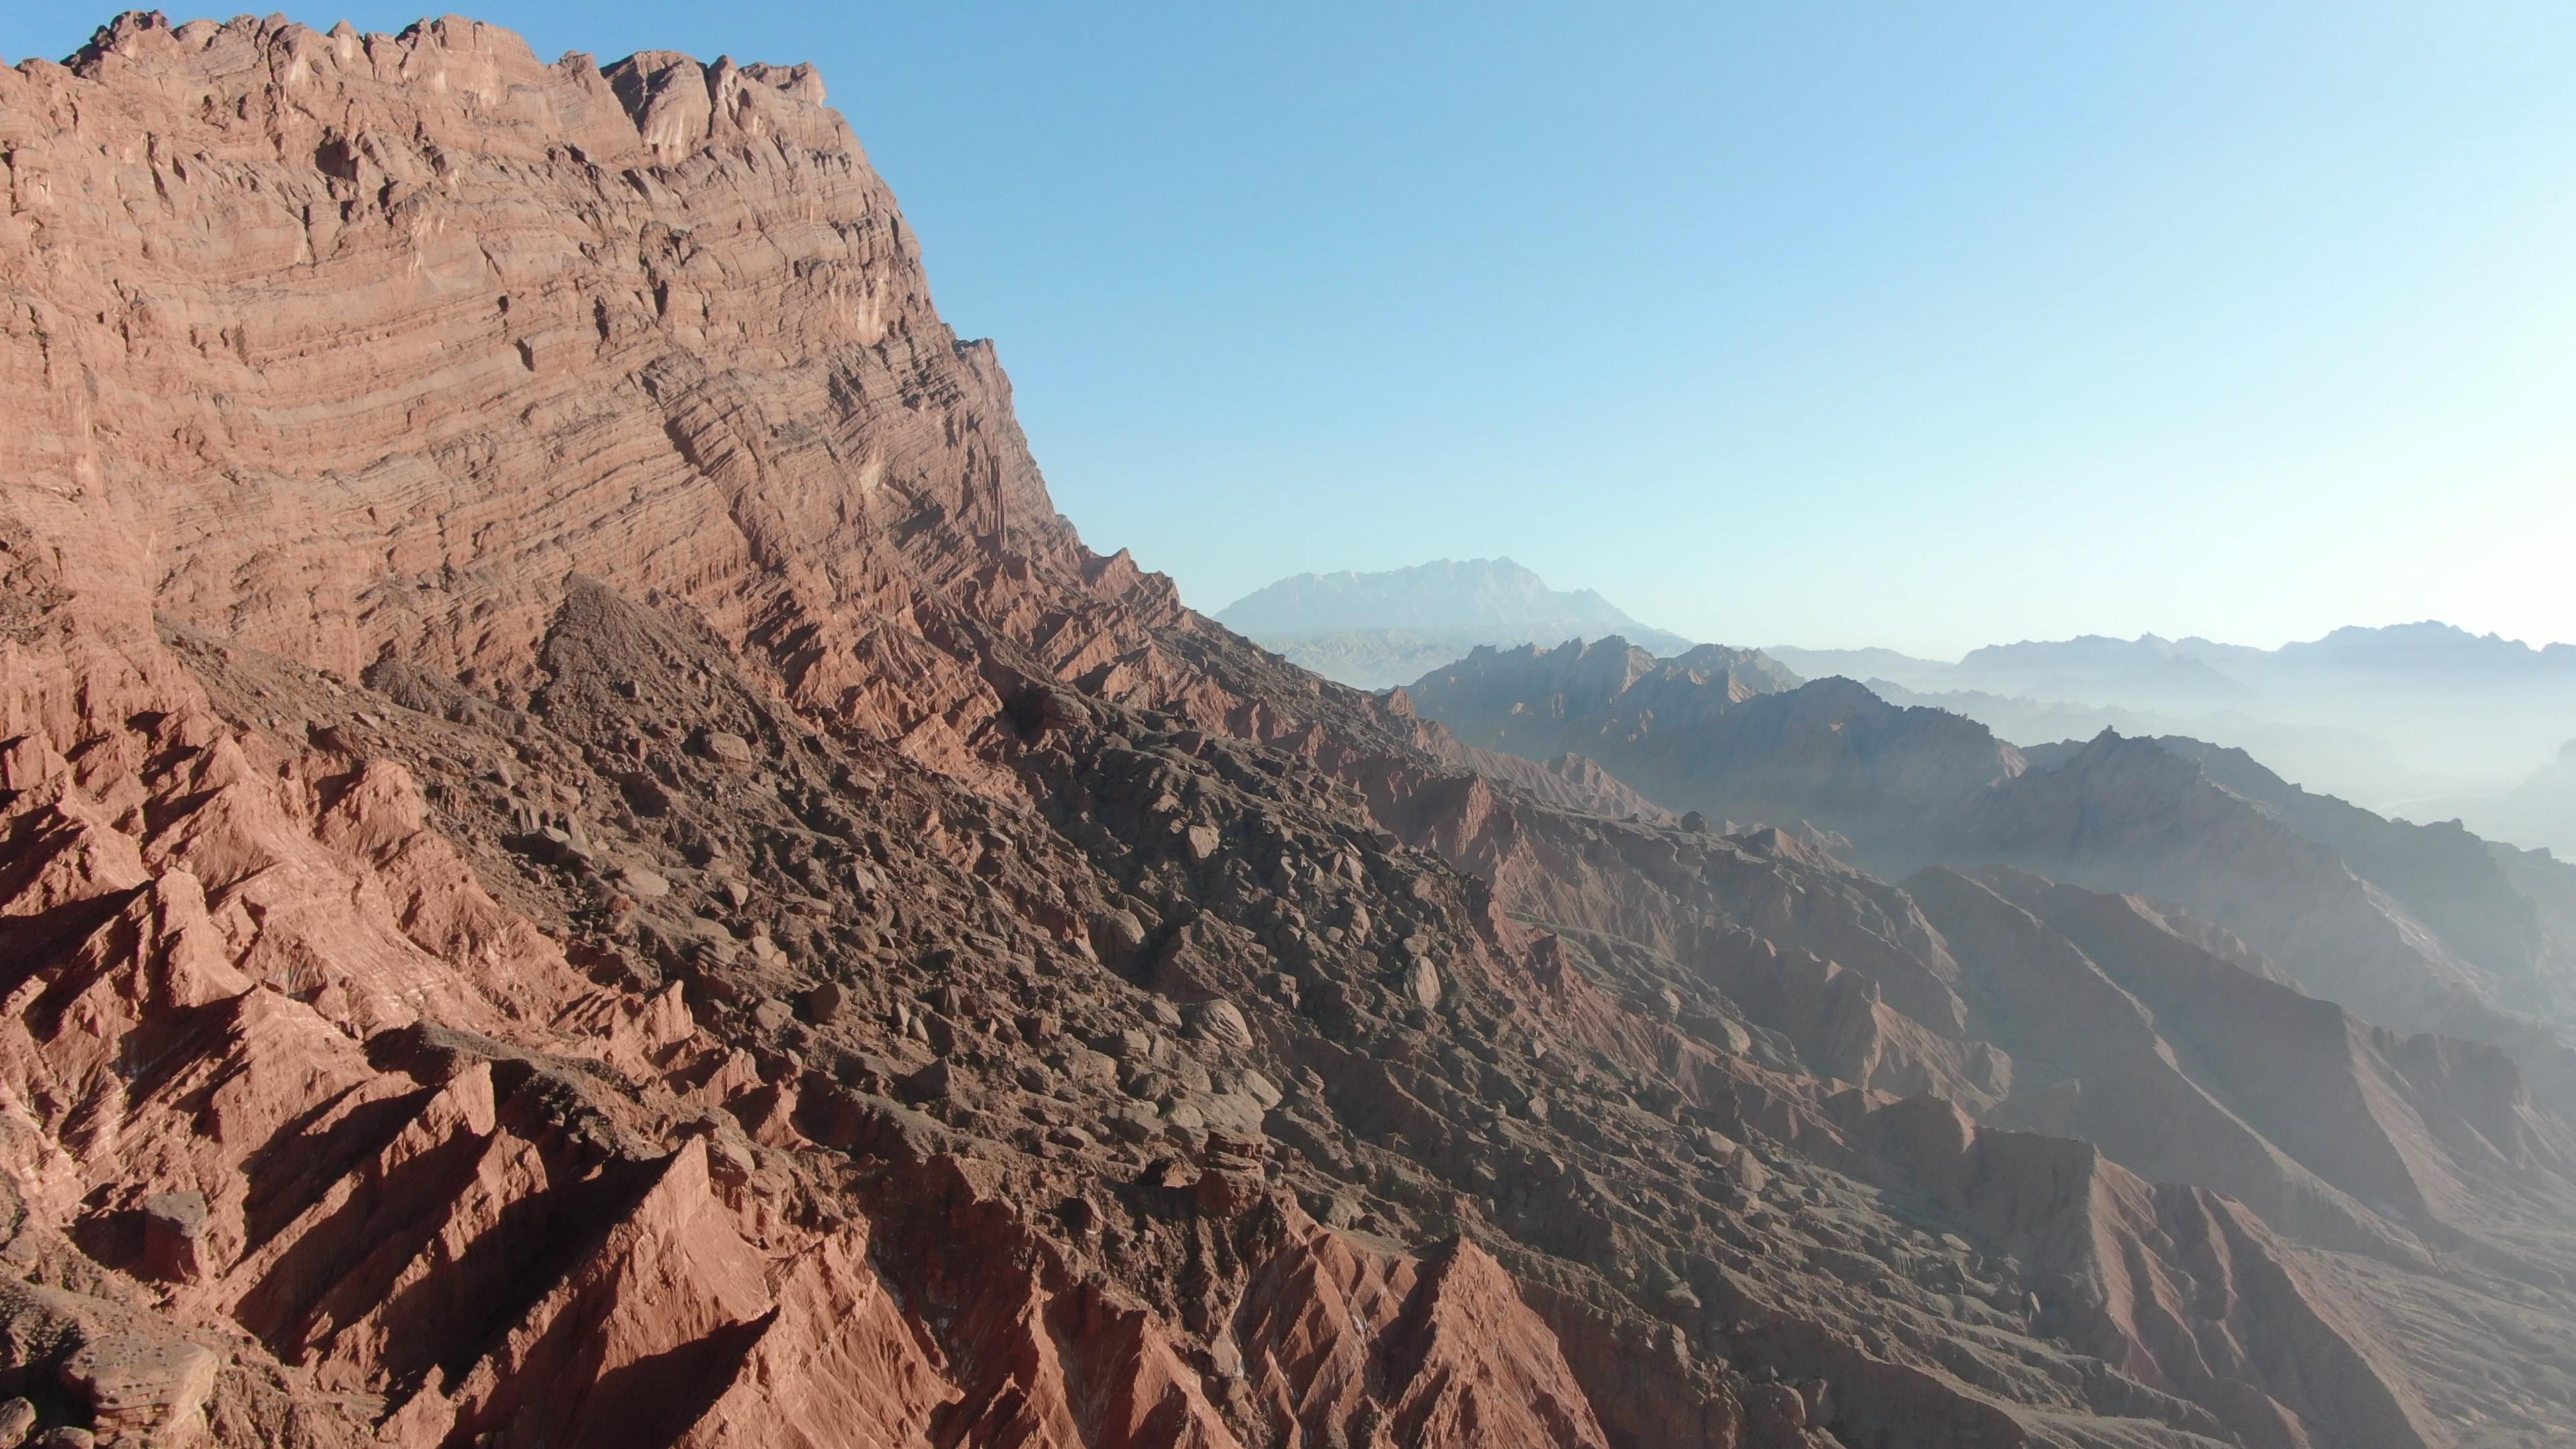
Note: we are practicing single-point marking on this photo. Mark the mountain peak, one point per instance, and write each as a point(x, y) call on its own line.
point(1386, 627)
point(1441, 594)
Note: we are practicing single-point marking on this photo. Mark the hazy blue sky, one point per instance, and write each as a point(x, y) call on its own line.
point(1826, 324)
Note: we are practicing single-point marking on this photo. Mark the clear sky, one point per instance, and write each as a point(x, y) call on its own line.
point(1828, 324)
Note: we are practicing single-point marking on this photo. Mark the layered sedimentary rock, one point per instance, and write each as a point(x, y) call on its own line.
point(584, 859)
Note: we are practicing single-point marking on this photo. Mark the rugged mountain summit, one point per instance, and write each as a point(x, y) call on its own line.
point(585, 860)
point(1376, 630)
point(1476, 593)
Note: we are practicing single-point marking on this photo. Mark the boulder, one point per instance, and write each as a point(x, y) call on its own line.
point(1220, 1022)
point(1422, 983)
point(174, 1237)
point(727, 749)
point(145, 1388)
point(823, 1003)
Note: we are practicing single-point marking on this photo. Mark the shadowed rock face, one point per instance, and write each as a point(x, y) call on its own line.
point(585, 860)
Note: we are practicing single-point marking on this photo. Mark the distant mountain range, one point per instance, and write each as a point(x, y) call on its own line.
point(2150, 672)
point(2424, 719)
point(2417, 927)
point(1378, 630)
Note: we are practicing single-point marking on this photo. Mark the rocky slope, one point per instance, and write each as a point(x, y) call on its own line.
point(2399, 922)
point(2441, 874)
point(585, 860)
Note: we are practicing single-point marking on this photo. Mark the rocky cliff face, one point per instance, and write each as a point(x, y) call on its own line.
point(584, 860)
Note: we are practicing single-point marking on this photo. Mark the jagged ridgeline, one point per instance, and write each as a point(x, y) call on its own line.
point(585, 860)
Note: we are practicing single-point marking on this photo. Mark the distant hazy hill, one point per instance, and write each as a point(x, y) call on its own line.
point(2316, 752)
point(2141, 673)
point(1865, 664)
point(2538, 811)
point(2415, 718)
point(2418, 927)
point(1376, 630)
point(2429, 649)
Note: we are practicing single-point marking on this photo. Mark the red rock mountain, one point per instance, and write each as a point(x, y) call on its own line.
point(585, 860)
